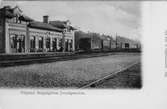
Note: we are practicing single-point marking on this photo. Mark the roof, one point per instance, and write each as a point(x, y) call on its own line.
point(45, 26)
point(59, 24)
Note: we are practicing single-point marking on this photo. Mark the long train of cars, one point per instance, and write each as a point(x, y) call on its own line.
point(88, 42)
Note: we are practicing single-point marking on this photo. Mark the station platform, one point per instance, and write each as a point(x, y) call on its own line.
point(18, 56)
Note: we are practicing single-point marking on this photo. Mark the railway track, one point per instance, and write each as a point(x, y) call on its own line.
point(102, 79)
point(47, 59)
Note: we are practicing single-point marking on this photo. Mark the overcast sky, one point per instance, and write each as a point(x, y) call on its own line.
point(123, 18)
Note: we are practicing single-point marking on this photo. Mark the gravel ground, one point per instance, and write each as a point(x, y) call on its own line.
point(130, 78)
point(73, 73)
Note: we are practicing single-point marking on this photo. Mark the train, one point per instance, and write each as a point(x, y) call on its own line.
point(94, 42)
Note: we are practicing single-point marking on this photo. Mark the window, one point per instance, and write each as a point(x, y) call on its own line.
point(60, 44)
point(47, 42)
point(17, 42)
point(66, 45)
point(22, 43)
point(54, 44)
point(13, 41)
point(32, 42)
point(126, 45)
point(40, 42)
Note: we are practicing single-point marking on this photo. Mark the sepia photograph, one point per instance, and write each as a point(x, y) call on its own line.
point(71, 44)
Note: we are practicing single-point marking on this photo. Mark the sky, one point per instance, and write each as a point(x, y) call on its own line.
point(104, 17)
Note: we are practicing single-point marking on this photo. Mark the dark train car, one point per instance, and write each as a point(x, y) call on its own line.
point(87, 41)
point(82, 41)
point(85, 44)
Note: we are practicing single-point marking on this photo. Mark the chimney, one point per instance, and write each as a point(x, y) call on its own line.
point(46, 19)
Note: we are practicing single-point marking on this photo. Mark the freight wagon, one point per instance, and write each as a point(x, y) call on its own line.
point(96, 42)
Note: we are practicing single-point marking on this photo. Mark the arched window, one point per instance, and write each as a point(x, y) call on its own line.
point(32, 43)
point(13, 41)
point(54, 44)
point(48, 42)
point(40, 42)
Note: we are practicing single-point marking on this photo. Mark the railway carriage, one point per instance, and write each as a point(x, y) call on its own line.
point(95, 42)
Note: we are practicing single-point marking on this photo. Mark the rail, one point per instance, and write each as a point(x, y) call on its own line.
point(107, 76)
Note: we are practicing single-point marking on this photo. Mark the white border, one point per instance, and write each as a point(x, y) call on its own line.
point(153, 95)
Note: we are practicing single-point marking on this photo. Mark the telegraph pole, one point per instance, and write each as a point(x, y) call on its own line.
point(116, 41)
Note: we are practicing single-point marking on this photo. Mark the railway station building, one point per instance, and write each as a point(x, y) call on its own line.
point(21, 34)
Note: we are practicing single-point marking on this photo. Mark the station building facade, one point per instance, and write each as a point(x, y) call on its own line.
point(21, 34)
